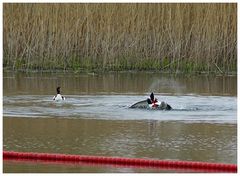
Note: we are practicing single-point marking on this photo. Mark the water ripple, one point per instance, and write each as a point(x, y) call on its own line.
point(210, 109)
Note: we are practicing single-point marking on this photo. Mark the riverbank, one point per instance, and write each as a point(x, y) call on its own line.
point(88, 65)
point(111, 70)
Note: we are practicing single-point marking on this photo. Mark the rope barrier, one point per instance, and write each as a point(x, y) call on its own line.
point(174, 165)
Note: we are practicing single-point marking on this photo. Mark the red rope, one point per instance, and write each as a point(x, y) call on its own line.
point(187, 165)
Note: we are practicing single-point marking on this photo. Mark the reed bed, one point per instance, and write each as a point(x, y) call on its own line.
point(185, 37)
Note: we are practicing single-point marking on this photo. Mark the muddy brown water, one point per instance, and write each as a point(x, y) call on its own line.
point(95, 118)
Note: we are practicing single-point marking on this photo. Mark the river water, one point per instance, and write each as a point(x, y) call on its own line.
point(95, 118)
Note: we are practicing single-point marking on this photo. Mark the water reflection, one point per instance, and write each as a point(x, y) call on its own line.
point(109, 83)
point(143, 139)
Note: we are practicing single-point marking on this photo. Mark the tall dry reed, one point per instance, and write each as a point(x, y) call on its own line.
point(155, 36)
